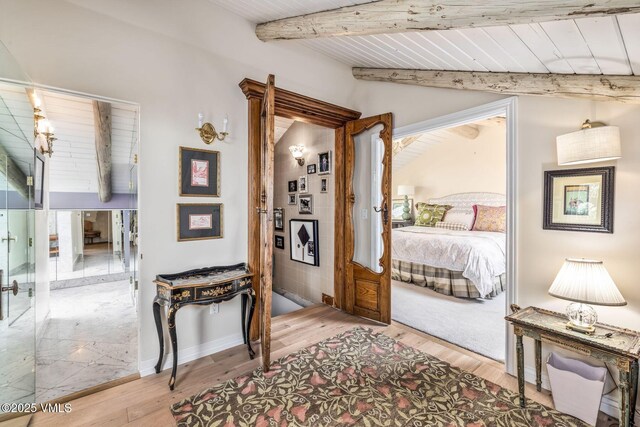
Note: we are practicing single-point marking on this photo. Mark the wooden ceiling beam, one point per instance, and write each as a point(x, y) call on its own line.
point(394, 16)
point(594, 87)
point(102, 121)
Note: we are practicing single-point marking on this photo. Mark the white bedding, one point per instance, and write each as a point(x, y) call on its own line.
point(479, 255)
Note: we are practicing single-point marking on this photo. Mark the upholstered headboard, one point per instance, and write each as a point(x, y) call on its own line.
point(467, 200)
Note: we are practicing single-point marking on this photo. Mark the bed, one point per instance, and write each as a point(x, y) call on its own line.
point(461, 263)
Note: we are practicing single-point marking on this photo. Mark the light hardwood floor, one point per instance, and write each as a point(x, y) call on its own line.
point(146, 401)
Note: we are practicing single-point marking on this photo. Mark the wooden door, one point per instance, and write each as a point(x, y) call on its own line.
point(367, 217)
point(266, 218)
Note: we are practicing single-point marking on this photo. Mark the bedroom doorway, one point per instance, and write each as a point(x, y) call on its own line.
point(453, 227)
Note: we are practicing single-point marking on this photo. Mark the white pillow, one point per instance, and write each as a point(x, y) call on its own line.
point(461, 216)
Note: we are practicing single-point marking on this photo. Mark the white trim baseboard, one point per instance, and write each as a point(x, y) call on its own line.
point(147, 367)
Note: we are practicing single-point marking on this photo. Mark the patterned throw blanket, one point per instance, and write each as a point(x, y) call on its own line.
point(479, 255)
point(361, 378)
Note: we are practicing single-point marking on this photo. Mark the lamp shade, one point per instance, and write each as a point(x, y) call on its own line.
point(595, 144)
point(586, 281)
point(406, 190)
point(296, 151)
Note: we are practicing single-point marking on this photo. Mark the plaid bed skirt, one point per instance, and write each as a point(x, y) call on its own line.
point(441, 280)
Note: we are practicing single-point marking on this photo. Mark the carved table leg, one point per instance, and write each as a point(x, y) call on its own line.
point(634, 389)
point(243, 298)
point(156, 315)
point(625, 392)
point(171, 317)
point(538, 364)
point(247, 323)
point(520, 359)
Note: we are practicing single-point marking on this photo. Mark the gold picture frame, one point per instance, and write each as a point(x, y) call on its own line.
point(199, 221)
point(198, 172)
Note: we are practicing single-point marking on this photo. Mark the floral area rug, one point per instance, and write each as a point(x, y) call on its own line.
point(366, 379)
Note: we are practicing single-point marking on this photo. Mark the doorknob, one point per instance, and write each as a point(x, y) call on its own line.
point(13, 288)
point(10, 238)
point(385, 213)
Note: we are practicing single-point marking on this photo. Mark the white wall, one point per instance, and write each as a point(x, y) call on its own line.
point(174, 59)
point(458, 165)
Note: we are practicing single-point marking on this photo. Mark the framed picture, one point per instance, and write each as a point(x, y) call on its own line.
point(324, 163)
point(311, 169)
point(397, 208)
point(305, 204)
point(199, 172)
point(303, 241)
point(302, 184)
point(292, 199)
point(279, 242)
point(38, 181)
point(324, 185)
point(199, 221)
point(579, 199)
point(278, 219)
point(293, 186)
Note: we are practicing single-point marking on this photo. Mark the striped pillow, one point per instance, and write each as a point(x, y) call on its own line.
point(452, 226)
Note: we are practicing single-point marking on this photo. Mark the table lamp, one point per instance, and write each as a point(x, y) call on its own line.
point(584, 282)
point(406, 191)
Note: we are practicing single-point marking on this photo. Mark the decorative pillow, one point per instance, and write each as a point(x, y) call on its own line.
point(458, 215)
point(490, 218)
point(428, 215)
point(452, 225)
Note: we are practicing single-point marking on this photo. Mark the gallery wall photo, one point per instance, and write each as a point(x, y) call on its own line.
point(303, 241)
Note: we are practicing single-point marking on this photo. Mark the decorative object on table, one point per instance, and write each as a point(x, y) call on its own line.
point(278, 219)
point(38, 180)
point(303, 244)
point(203, 286)
point(397, 209)
point(292, 186)
point(279, 242)
point(406, 191)
point(199, 221)
point(579, 199)
point(348, 355)
point(302, 184)
point(199, 172)
point(297, 151)
point(595, 142)
point(311, 169)
point(208, 132)
point(292, 198)
point(429, 214)
point(576, 387)
point(324, 163)
point(324, 185)
point(610, 344)
point(305, 204)
point(584, 282)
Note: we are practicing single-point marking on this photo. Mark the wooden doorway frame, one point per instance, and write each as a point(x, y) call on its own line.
point(309, 110)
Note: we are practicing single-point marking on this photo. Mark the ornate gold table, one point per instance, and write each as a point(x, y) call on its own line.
point(204, 286)
point(609, 344)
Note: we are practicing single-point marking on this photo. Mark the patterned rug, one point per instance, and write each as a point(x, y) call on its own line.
point(362, 378)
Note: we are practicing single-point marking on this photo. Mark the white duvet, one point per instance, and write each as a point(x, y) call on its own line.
point(479, 255)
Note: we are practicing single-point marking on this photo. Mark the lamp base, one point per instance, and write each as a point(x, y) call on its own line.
point(582, 329)
point(582, 317)
point(406, 215)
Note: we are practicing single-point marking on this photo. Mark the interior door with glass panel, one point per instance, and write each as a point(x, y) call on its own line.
point(367, 221)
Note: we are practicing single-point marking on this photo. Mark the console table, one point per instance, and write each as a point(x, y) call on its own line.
point(204, 286)
point(609, 344)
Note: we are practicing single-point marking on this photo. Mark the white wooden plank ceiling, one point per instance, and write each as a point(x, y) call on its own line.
point(602, 45)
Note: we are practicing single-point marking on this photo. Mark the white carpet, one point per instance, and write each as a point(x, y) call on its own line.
point(477, 325)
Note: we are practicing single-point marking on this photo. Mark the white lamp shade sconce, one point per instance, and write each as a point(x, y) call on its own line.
point(297, 151)
point(208, 132)
point(595, 142)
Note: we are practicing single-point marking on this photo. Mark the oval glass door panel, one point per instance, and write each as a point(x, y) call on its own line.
point(367, 188)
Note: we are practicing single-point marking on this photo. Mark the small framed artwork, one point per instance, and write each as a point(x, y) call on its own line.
point(279, 242)
point(199, 221)
point(397, 208)
point(199, 172)
point(324, 163)
point(293, 186)
point(302, 184)
point(311, 169)
point(579, 199)
point(305, 204)
point(292, 199)
point(324, 185)
point(303, 241)
point(278, 219)
point(38, 181)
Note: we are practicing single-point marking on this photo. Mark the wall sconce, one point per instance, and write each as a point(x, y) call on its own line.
point(595, 142)
point(296, 152)
point(42, 129)
point(49, 138)
point(208, 133)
